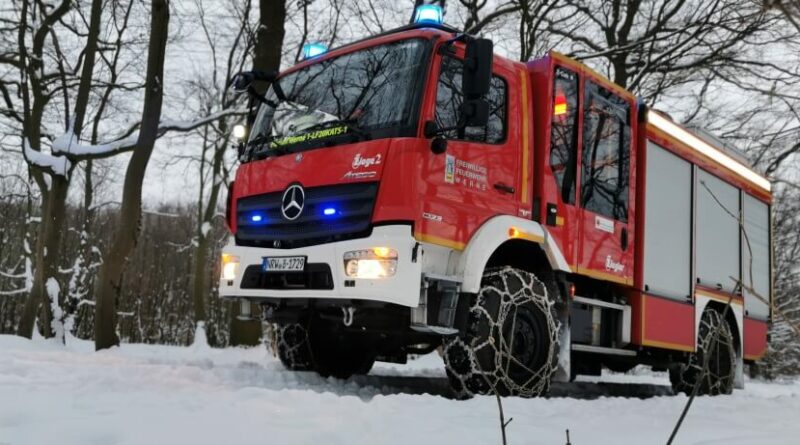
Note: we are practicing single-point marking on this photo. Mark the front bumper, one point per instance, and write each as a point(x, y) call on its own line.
point(403, 288)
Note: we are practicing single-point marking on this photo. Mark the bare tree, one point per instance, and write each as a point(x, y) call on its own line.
point(215, 158)
point(109, 280)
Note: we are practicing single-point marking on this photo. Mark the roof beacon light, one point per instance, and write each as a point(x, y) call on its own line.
point(429, 14)
point(314, 49)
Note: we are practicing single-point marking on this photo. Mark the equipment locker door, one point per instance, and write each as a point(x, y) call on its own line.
point(605, 238)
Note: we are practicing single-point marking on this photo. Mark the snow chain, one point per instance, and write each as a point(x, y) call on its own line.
point(532, 292)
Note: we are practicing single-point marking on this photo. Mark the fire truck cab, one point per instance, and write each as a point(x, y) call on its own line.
point(413, 191)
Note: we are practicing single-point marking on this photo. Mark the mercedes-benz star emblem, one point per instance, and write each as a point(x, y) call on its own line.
point(294, 198)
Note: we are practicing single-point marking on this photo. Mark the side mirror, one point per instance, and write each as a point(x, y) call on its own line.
point(242, 81)
point(475, 113)
point(477, 68)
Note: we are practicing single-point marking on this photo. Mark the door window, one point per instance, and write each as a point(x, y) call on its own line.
point(449, 100)
point(564, 133)
point(606, 153)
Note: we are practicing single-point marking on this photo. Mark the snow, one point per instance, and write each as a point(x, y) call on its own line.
point(59, 165)
point(135, 394)
point(68, 143)
point(205, 228)
point(53, 289)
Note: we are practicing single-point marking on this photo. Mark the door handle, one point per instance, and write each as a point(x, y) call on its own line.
point(623, 239)
point(501, 187)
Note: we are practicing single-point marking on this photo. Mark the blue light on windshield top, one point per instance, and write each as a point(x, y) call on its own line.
point(314, 49)
point(431, 14)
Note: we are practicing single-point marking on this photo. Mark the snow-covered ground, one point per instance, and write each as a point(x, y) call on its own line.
point(141, 394)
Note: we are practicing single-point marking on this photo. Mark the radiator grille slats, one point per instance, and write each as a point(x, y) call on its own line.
point(353, 203)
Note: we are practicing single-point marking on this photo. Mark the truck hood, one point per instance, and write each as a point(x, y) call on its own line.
point(360, 162)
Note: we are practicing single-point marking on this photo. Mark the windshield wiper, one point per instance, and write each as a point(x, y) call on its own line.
point(259, 148)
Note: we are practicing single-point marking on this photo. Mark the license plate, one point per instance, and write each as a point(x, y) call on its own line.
point(284, 264)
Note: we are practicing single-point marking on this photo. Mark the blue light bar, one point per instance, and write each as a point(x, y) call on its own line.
point(314, 49)
point(329, 211)
point(430, 14)
point(256, 218)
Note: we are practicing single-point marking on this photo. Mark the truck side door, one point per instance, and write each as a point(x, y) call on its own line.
point(476, 178)
point(605, 240)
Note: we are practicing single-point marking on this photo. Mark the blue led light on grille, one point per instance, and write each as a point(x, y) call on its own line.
point(256, 218)
point(430, 14)
point(314, 49)
point(329, 211)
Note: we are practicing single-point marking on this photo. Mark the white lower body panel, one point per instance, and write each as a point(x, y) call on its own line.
point(402, 289)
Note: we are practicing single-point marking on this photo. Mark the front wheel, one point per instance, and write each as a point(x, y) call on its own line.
point(315, 345)
point(510, 344)
point(713, 365)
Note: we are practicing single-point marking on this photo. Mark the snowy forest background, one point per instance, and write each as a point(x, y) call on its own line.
point(85, 97)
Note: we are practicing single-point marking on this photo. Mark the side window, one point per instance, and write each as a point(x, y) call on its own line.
point(606, 153)
point(564, 133)
point(449, 100)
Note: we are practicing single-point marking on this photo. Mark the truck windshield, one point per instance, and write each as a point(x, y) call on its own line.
point(368, 94)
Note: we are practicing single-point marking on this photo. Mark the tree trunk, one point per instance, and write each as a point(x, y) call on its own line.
point(109, 281)
point(48, 243)
point(200, 278)
point(268, 50)
point(47, 246)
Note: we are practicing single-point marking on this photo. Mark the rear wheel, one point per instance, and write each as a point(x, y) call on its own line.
point(510, 344)
point(316, 346)
point(715, 344)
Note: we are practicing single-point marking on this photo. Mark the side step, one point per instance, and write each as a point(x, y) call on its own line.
point(603, 350)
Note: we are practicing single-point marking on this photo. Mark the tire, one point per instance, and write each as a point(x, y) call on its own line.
point(720, 353)
point(293, 347)
point(510, 343)
point(313, 346)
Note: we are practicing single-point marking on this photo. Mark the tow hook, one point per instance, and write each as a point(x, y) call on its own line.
point(347, 315)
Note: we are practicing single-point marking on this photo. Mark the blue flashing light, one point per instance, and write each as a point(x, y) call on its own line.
point(256, 218)
point(429, 14)
point(314, 49)
point(329, 211)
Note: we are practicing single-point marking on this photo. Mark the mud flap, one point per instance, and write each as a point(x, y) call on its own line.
point(738, 375)
point(563, 368)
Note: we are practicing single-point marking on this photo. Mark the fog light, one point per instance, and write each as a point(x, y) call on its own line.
point(378, 262)
point(229, 265)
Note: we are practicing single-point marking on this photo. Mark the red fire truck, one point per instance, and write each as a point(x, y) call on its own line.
point(414, 191)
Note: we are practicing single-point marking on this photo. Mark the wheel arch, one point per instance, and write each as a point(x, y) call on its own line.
point(510, 239)
point(730, 318)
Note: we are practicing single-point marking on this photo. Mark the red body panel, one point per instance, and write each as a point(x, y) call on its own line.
point(755, 338)
point(662, 323)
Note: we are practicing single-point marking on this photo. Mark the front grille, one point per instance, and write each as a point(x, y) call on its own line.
point(353, 202)
point(317, 276)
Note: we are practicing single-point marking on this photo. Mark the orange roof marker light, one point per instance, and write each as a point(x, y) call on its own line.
point(560, 107)
point(702, 147)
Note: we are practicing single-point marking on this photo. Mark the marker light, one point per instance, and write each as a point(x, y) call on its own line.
point(560, 107)
point(314, 49)
point(378, 262)
point(239, 131)
point(430, 14)
point(329, 211)
point(229, 265)
point(256, 218)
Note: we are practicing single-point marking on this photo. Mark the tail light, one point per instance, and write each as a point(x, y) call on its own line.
point(229, 209)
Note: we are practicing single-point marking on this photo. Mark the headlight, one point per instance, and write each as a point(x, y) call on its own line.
point(378, 262)
point(230, 263)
